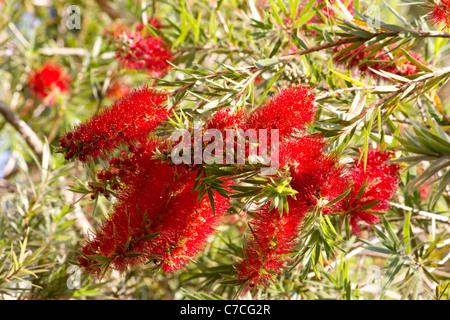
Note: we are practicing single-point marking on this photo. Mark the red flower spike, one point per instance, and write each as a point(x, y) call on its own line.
point(224, 119)
point(273, 235)
point(291, 109)
point(128, 120)
point(314, 174)
point(144, 53)
point(382, 182)
point(144, 183)
point(46, 82)
point(439, 15)
point(155, 198)
point(125, 231)
point(186, 226)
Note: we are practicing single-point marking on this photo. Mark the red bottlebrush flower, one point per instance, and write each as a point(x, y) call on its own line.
point(439, 15)
point(122, 237)
point(145, 53)
point(156, 198)
point(315, 174)
point(128, 120)
point(272, 237)
point(352, 60)
point(382, 182)
point(186, 226)
point(224, 119)
point(291, 109)
point(49, 80)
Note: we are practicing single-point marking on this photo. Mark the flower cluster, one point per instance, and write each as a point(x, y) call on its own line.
point(288, 112)
point(362, 60)
point(152, 21)
point(316, 175)
point(318, 178)
point(225, 119)
point(439, 14)
point(158, 218)
point(46, 82)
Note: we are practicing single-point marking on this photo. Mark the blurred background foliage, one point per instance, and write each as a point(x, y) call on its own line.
point(41, 221)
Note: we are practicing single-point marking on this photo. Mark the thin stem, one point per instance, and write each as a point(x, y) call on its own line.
point(23, 128)
point(420, 212)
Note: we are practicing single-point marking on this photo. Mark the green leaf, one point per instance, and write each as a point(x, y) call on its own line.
point(294, 9)
point(36, 252)
point(305, 14)
point(361, 190)
point(406, 233)
point(415, 62)
point(442, 185)
point(299, 42)
point(394, 267)
point(384, 239)
point(398, 15)
point(338, 198)
point(431, 247)
point(276, 47)
point(390, 232)
point(211, 201)
point(150, 236)
point(270, 84)
point(275, 13)
point(133, 255)
point(369, 205)
point(370, 246)
point(340, 75)
point(260, 64)
point(330, 225)
point(99, 258)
